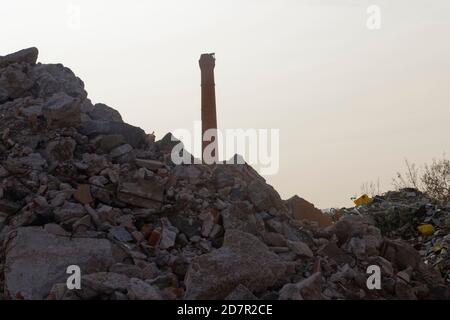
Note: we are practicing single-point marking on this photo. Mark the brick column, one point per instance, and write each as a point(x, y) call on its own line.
point(209, 117)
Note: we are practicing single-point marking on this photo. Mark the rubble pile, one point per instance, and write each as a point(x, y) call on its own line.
point(78, 186)
point(411, 215)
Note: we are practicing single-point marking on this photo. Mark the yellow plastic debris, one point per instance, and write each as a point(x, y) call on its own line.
point(426, 229)
point(364, 199)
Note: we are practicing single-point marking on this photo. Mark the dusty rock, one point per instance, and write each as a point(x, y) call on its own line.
point(108, 142)
point(138, 236)
point(350, 226)
point(154, 238)
point(274, 239)
point(243, 259)
point(30, 111)
point(49, 79)
point(60, 197)
point(134, 136)
point(190, 226)
point(143, 193)
point(129, 270)
point(93, 164)
point(140, 290)
point(14, 83)
point(83, 194)
point(121, 234)
point(69, 211)
point(168, 235)
point(335, 253)
point(241, 216)
point(241, 293)
point(102, 283)
point(223, 179)
point(22, 164)
point(60, 292)
point(8, 207)
point(401, 254)
point(308, 289)
point(62, 110)
point(36, 260)
point(120, 150)
point(149, 164)
point(29, 55)
point(403, 291)
point(300, 248)
point(385, 265)
point(303, 210)
point(101, 111)
point(263, 196)
point(61, 149)
point(357, 247)
point(83, 224)
point(56, 229)
point(3, 172)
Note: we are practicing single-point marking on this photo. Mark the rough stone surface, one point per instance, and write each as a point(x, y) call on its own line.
point(140, 290)
point(300, 248)
point(133, 135)
point(241, 293)
point(98, 283)
point(62, 110)
point(243, 259)
point(307, 289)
point(101, 111)
point(36, 260)
point(80, 186)
point(120, 150)
point(29, 55)
point(83, 194)
point(303, 210)
point(149, 164)
point(142, 193)
point(61, 149)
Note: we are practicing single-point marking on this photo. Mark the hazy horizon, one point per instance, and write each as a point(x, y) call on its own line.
point(351, 103)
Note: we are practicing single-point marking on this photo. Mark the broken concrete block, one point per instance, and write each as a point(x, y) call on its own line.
point(36, 260)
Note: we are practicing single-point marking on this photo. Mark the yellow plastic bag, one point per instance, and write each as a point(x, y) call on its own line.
point(364, 199)
point(426, 229)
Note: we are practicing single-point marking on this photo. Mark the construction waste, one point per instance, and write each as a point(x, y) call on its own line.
point(412, 216)
point(82, 190)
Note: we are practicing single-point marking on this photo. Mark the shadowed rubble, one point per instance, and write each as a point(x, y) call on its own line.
point(80, 186)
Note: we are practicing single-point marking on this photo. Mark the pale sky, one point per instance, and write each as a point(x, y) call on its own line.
point(351, 103)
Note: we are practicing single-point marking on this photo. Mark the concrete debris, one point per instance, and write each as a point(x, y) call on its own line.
point(308, 289)
point(27, 56)
point(418, 220)
point(303, 210)
point(241, 293)
point(36, 260)
point(78, 186)
point(243, 259)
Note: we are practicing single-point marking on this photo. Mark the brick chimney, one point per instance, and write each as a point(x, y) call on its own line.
point(209, 117)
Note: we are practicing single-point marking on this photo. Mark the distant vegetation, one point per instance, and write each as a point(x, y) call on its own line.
point(432, 179)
